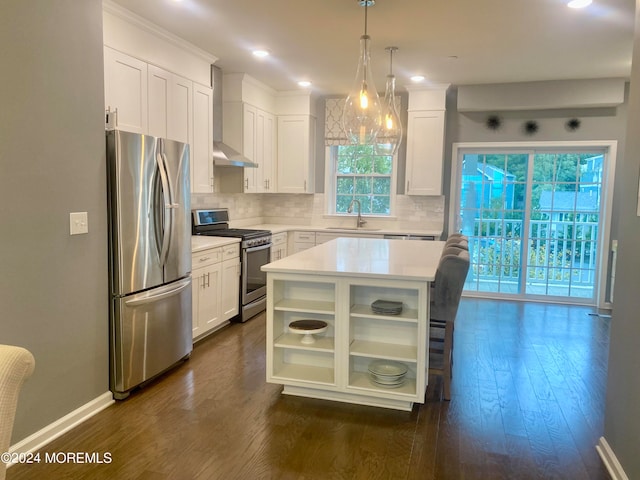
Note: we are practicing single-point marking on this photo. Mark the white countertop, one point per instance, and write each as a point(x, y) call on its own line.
point(278, 228)
point(365, 257)
point(203, 242)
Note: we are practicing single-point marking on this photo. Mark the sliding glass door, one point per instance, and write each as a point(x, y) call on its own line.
point(534, 219)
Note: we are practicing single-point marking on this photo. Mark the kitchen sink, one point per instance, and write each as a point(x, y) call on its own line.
point(359, 229)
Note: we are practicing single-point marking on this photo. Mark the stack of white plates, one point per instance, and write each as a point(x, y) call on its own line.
point(387, 373)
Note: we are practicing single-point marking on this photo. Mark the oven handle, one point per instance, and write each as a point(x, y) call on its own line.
point(258, 248)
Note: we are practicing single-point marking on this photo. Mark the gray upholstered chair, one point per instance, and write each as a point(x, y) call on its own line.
point(457, 240)
point(16, 365)
point(445, 299)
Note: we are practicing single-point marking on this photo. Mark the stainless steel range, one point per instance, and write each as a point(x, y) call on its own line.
point(255, 251)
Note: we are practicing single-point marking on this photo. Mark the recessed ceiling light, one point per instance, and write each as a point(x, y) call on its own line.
point(579, 3)
point(304, 83)
point(417, 78)
point(261, 53)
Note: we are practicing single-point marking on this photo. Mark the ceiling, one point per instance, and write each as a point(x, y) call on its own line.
point(461, 42)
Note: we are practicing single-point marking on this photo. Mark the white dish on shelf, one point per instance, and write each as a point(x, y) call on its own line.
point(396, 384)
point(388, 368)
point(386, 381)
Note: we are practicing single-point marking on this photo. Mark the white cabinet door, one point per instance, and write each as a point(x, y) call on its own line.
point(207, 291)
point(196, 286)
point(126, 90)
point(250, 147)
point(278, 246)
point(180, 118)
point(159, 93)
point(295, 162)
point(209, 308)
point(267, 167)
point(202, 146)
point(206, 299)
point(425, 143)
point(230, 288)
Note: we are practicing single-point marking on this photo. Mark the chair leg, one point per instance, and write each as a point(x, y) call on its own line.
point(448, 360)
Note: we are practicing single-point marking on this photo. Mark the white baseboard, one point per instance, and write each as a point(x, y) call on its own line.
point(52, 431)
point(610, 460)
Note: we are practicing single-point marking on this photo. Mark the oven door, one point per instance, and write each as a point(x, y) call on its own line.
point(254, 280)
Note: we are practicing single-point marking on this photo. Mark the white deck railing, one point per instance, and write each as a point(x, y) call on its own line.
point(562, 252)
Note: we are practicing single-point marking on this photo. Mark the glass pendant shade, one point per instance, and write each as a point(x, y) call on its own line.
point(390, 135)
point(361, 117)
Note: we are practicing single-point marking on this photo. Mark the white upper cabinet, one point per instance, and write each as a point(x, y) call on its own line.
point(250, 147)
point(268, 168)
point(296, 159)
point(296, 142)
point(153, 101)
point(425, 140)
point(180, 124)
point(170, 105)
point(250, 128)
point(126, 90)
point(159, 86)
point(202, 146)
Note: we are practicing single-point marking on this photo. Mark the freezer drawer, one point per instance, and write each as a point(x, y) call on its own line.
point(150, 332)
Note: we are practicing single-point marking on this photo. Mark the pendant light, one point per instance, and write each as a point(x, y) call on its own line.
point(361, 117)
point(390, 135)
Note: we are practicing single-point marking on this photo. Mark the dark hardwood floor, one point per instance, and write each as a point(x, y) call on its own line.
point(527, 402)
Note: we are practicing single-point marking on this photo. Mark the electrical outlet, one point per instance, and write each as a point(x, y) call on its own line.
point(78, 223)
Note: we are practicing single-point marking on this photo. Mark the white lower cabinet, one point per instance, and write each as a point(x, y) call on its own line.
point(230, 281)
point(303, 241)
point(278, 246)
point(335, 366)
point(216, 284)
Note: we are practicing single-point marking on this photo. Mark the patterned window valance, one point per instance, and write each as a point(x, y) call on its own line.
point(333, 133)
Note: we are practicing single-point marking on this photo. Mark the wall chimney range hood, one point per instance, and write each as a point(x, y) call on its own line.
point(223, 154)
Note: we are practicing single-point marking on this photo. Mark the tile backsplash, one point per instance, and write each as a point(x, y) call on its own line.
point(416, 212)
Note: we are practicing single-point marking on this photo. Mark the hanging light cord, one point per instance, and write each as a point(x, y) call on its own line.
point(366, 4)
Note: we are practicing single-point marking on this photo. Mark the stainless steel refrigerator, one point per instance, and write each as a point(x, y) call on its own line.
point(150, 257)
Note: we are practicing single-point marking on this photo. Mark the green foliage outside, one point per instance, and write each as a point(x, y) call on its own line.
point(504, 260)
point(364, 176)
point(551, 171)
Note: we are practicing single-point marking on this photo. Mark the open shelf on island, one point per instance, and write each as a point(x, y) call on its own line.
point(310, 306)
point(365, 311)
point(390, 351)
point(361, 380)
point(291, 340)
point(304, 373)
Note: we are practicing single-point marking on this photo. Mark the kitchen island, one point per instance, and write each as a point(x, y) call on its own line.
point(335, 283)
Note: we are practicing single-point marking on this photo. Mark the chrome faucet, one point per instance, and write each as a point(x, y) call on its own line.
point(360, 221)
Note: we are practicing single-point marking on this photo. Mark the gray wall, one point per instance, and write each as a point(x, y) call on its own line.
point(622, 422)
point(53, 286)
point(595, 124)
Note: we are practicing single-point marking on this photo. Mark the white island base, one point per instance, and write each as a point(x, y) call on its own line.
point(336, 283)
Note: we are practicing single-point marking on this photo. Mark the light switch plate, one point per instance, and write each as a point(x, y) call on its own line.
point(78, 223)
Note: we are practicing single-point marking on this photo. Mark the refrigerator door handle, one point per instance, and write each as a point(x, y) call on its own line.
point(151, 297)
point(167, 204)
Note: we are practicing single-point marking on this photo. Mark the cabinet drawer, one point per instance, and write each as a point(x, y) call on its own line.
point(304, 237)
point(279, 239)
point(230, 251)
point(206, 257)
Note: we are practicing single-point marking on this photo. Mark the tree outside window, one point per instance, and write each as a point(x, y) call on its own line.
point(362, 175)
